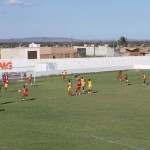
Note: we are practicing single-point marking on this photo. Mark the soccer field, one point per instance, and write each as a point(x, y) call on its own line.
point(114, 117)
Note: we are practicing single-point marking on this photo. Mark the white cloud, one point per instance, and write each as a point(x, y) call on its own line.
point(13, 2)
point(30, 5)
point(21, 4)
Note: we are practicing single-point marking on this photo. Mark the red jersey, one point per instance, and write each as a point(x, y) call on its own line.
point(78, 85)
point(119, 74)
point(126, 78)
point(25, 91)
point(4, 78)
point(6, 81)
point(30, 79)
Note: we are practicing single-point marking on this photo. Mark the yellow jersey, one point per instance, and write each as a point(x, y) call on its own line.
point(64, 72)
point(82, 82)
point(69, 84)
point(89, 84)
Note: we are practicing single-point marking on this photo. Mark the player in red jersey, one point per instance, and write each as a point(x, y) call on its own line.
point(25, 93)
point(4, 78)
point(126, 80)
point(30, 80)
point(119, 75)
point(78, 87)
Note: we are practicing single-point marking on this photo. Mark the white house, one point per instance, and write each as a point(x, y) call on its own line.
point(34, 45)
point(100, 51)
point(20, 53)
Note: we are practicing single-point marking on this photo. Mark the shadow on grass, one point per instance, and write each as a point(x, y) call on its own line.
point(6, 103)
point(35, 85)
point(13, 91)
point(129, 84)
point(95, 91)
point(2, 109)
point(32, 99)
point(86, 92)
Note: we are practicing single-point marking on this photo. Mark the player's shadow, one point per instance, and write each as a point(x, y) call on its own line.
point(32, 99)
point(129, 84)
point(83, 93)
point(36, 85)
point(95, 91)
point(9, 102)
point(40, 81)
point(13, 91)
point(86, 92)
point(2, 109)
point(72, 95)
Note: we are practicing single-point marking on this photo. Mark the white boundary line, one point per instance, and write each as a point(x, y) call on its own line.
point(7, 148)
point(117, 143)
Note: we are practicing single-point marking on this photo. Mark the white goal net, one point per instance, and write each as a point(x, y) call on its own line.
point(18, 73)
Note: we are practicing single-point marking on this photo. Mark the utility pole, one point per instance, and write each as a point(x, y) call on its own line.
point(94, 50)
point(71, 42)
point(113, 43)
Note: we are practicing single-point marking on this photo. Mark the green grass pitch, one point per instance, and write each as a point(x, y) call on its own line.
point(114, 117)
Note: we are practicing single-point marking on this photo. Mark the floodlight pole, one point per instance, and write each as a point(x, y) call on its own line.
point(113, 43)
point(94, 50)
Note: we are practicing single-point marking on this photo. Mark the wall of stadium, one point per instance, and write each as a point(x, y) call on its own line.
point(75, 65)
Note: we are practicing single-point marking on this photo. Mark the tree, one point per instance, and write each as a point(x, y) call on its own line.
point(122, 41)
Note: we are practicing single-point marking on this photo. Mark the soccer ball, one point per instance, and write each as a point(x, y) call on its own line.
point(19, 90)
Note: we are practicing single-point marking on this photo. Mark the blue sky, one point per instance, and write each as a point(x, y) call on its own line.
point(80, 19)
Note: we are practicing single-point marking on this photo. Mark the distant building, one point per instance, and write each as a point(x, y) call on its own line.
point(20, 53)
point(91, 51)
point(34, 45)
point(34, 51)
point(38, 53)
point(57, 52)
point(132, 51)
point(135, 51)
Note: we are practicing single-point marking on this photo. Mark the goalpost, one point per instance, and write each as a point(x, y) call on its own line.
point(19, 73)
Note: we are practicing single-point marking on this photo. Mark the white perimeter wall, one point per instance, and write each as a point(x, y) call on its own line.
point(82, 65)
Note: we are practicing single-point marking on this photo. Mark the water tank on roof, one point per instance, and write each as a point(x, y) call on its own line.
point(106, 45)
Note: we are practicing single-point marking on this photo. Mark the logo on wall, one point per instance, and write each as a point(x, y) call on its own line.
point(4, 65)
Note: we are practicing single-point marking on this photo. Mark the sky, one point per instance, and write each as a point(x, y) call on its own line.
point(78, 19)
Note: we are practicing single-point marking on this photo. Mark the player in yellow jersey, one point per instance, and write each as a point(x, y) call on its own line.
point(69, 88)
point(89, 86)
point(64, 73)
point(144, 79)
point(82, 83)
point(6, 84)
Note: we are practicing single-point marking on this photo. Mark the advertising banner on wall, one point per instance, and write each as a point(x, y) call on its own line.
point(13, 65)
